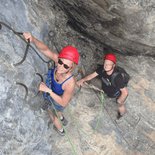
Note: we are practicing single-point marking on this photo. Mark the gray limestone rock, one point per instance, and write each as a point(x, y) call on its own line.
point(95, 27)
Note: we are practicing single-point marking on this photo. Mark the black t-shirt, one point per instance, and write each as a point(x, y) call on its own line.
point(107, 86)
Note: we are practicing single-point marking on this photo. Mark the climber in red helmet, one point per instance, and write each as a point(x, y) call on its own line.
point(60, 83)
point(105, 73)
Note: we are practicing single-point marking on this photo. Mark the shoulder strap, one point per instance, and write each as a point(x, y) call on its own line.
point(106, 81)
point(66, 79)
point(113, 78)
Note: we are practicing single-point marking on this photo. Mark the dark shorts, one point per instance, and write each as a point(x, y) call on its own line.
point(51, 104)
point(116, 95)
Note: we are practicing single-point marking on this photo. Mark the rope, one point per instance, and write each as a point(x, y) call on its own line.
point(90, 86)
point(115, 124)
point(81, 132)
point(25, 55)
point(102, 101)
point(72, 145)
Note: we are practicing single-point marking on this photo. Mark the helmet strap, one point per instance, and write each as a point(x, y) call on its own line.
point(113, 66)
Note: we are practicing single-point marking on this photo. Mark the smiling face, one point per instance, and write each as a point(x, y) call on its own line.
point(64, 66)
point(108, 65)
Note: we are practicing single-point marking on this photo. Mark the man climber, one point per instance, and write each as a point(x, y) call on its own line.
point(105, 73)
point(62, 82)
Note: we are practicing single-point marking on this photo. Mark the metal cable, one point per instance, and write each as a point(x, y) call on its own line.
point(25, 54)
point(19, 35)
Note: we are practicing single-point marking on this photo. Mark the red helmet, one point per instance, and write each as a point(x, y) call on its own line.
point(70, 53)
point(111, 57)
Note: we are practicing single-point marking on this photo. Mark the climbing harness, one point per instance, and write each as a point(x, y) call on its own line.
point(26, 89)
point(19, 34)
point(47, 96)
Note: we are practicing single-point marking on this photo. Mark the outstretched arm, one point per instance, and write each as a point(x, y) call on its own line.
point(87, 78)
point(41, 46)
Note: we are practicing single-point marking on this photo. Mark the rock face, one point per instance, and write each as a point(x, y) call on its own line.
point(123, 26)
point(94, 27)
point(22, 130)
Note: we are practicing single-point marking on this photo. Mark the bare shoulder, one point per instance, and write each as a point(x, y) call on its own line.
point(70, 83)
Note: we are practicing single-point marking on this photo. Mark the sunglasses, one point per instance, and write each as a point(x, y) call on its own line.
point(60, 62)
